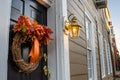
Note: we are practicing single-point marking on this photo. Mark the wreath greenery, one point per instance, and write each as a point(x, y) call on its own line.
point(28, 30)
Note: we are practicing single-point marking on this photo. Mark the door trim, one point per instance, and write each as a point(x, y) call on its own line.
point(58, 51)
point(4, 34)
point(46, 3)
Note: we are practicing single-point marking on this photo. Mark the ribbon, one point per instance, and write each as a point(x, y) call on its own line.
point(35, 51)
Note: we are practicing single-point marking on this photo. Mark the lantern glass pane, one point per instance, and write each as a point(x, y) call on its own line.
point(74, 32)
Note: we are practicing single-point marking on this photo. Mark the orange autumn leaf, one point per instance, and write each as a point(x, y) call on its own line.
point(27, 26)
point(35, 51)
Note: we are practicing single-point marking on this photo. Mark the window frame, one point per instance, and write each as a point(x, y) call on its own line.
point(102, 60)
point(89, 48)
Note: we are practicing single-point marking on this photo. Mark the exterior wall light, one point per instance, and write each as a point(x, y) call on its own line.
point(71, 27)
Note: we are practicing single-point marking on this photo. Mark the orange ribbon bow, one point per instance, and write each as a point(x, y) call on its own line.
point(35, 51)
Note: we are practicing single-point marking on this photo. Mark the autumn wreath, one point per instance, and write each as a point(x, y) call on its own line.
point(29, 30)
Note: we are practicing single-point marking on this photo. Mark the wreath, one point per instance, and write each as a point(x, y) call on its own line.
point(27, 30)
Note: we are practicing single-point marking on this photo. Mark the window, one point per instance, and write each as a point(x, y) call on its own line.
point(112, 31)
point(89, 50)
point(101, 55)
point(109, 58)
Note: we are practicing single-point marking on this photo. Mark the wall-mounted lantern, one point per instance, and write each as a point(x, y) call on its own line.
point(71, 27)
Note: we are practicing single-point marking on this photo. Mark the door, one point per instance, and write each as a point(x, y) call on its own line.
point(37, 12)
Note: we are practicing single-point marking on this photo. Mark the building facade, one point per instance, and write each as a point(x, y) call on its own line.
point(90, 55)
point(86, 58)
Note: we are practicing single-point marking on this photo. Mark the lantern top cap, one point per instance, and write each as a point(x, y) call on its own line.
point(73, 21)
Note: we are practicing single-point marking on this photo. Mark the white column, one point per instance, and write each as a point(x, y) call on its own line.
point(66, 44)
point(58, 50)
point(63, 64)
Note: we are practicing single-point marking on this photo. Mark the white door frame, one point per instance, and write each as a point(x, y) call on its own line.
point(5, 8)
point(58, 51)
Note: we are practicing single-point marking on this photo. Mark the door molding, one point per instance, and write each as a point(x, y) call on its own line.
point(46, 3)
point(58, 50)
point(4, 36)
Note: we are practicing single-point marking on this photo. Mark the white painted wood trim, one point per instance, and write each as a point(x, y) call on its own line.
point(66, 44)
point(4, 36)
point(58, 50)
point(63, 64)
point(66, 58)
point(52, 50)
point(46, 3)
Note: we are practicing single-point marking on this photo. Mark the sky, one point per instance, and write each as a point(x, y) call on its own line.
point(114, 7)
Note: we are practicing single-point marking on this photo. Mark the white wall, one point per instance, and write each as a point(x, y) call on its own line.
point(4, 33)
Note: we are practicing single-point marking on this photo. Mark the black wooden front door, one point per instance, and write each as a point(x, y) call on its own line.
point(37, 12)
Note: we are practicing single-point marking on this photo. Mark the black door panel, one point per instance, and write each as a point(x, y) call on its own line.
point(16, 9)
